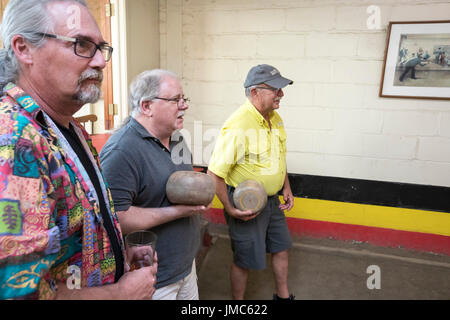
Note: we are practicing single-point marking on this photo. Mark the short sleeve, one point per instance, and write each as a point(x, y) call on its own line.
point(228, 150)
point(122, 177)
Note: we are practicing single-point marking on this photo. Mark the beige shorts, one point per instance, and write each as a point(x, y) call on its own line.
point(184, 289)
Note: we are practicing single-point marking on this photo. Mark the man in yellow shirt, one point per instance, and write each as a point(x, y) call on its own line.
point(252, 146)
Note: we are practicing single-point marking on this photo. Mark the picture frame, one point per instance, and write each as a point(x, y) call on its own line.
point(417, 60)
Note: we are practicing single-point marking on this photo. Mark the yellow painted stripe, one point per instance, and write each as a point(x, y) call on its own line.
point(368, 215)
point(216, 203)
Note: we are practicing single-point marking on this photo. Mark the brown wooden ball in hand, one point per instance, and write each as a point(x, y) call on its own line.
point(190, 188)
point(250, 195)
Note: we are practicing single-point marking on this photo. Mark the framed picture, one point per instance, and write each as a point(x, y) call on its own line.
point(417, 60)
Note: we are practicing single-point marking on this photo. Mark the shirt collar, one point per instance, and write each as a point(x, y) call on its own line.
point(144, 134)
point(255, 113)
point(27, 102)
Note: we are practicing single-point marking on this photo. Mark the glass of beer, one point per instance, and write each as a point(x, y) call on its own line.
point(140, 247)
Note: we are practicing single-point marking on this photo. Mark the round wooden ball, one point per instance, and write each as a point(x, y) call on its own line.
point(250, 195)
point(191, 188)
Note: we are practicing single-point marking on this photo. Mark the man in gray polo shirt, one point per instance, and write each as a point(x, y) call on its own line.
point(137, 162)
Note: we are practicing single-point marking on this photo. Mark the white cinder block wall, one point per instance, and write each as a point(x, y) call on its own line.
point(335, 121)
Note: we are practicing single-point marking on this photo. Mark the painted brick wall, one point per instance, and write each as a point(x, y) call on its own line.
point(335, 121)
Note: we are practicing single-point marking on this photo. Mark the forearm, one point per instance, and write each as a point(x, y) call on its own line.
point(221, 191)
point(137, 218)
point(288, 197)
point(106, 292)
point(136, 285)
point(286, 185)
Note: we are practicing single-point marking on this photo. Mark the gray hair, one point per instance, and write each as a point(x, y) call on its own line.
point(26, 18)
point(146, 87)
point(248, 91)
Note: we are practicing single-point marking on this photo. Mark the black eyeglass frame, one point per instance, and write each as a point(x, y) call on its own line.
point(177, 100)
point(76, 41)
point(276, 90)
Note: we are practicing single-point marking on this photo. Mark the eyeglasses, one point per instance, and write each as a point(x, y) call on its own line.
point(275, 90)
point(180, 101)
point(83, 47)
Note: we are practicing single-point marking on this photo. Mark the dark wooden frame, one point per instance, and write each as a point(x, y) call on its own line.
point(385, 60)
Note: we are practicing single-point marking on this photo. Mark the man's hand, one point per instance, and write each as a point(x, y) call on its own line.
point(242, 215)
point(136, 285)
point(188, 210)
point(222, 194)
point(140, 283)
point(288, 198)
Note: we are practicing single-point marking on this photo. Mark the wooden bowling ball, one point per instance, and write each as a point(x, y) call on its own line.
point(190, 188)
point(250, 195)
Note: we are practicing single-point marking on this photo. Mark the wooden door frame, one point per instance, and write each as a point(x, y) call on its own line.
point(107, 86)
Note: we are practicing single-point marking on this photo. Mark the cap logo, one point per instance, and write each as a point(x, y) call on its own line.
point(274, 72)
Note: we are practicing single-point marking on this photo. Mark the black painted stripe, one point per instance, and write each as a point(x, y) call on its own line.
point(392, 194)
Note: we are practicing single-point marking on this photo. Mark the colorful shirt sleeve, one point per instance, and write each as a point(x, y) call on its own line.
point(29, 243)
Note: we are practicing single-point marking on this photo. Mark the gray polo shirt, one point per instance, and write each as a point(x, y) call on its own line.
point(136, 167)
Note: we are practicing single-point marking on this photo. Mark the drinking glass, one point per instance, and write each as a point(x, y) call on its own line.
point(140, 247)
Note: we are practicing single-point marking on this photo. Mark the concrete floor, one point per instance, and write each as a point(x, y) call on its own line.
point(329, 269)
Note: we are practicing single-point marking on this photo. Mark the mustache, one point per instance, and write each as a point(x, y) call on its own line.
point(91, 74)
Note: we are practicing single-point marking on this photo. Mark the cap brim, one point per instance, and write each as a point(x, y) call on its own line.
point(279, 82)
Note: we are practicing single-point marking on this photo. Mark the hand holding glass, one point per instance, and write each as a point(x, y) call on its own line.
point(140, 246)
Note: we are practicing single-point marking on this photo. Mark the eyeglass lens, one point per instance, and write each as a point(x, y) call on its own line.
point(182, 101)
point(87, 49)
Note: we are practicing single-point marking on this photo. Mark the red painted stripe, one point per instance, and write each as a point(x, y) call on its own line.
point(376, 236)
point(215, 215)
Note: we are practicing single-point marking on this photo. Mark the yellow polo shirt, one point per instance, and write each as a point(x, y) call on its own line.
point(247, 148)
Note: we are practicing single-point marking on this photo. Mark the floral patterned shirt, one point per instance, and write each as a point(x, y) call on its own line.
point(51, 230)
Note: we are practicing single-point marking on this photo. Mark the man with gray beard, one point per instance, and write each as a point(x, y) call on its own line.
point(90, 93)
point(59, 233)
